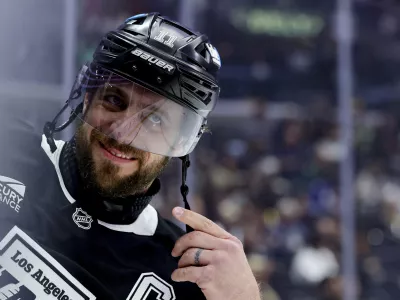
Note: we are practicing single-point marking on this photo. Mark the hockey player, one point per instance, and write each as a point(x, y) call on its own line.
point(75, 217)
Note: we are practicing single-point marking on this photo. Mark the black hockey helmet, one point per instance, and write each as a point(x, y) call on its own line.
point(164, 57)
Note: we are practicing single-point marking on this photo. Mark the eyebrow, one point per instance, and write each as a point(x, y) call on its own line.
point(128, 98)
point(117, 90)
point(142, 104)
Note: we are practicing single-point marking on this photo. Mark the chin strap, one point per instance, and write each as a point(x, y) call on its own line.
point(184, 187)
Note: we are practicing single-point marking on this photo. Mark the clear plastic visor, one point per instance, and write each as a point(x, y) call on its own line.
point(133, 115)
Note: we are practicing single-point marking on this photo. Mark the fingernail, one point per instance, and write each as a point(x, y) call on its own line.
point(178, 211)
point(173, 276)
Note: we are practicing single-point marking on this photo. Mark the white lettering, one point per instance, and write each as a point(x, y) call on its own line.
point(161, 63)
point(19, 199)
point(13, 195)
point(6, 191)
point(169, 68)
point(4, 199)
point(83, 219)
point(160, 37)
point(171, 40)
point(10, 201)
point(154, 60)
point(145, 56)
point(137, 52)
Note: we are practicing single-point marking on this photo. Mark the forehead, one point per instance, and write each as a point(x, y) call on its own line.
point(136, 96)
point(136, 92)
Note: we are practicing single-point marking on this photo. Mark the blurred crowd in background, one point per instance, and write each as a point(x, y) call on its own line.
point(277, 188)
point(269, 172)
point(272, 179)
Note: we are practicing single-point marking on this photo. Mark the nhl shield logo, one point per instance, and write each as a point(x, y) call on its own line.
point(82, 219)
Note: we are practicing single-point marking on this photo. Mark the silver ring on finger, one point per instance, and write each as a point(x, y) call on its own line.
point(197, 257)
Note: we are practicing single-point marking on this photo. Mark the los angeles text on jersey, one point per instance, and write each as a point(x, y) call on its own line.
point(11, 193)
point(39, 276)
point(38, 272)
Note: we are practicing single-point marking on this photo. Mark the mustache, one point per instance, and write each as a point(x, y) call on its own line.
point(112, 143)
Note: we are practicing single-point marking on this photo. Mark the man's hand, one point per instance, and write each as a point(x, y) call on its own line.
point(213, 259)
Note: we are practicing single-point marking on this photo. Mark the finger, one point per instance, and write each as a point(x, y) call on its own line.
point(198, 275)
point(195, 257)
point(199, 222)
point(8, 294)
point(196, 239)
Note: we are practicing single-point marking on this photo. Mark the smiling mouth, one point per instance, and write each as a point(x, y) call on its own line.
point(116, 153)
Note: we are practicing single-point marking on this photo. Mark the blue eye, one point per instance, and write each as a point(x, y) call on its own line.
point(155, 119)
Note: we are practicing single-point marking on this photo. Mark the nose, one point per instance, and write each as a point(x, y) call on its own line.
point(125, 129)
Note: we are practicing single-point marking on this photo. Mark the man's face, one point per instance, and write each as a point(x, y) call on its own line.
point(110, 175)
point(114, 169)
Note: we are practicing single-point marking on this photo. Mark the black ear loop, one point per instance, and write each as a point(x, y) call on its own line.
point(185, 166)
point(184, 187)
point(50, 127)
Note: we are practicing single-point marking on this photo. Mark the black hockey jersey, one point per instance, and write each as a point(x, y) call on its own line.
point(50, 248)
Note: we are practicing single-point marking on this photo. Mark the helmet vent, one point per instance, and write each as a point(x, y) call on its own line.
point(131, 31)
point(202, 51)
point(189, 77)
point(115, 45)
point(198, 90)
point(138, 21)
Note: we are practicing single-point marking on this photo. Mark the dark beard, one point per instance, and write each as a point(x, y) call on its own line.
point(104, 179)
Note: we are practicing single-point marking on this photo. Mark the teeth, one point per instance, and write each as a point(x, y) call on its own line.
point(119, 155)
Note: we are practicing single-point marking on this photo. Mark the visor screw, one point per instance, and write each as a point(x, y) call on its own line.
point(159, 80)
point(134, 68)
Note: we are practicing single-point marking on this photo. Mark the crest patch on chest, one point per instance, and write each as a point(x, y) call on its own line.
point(82, 219)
